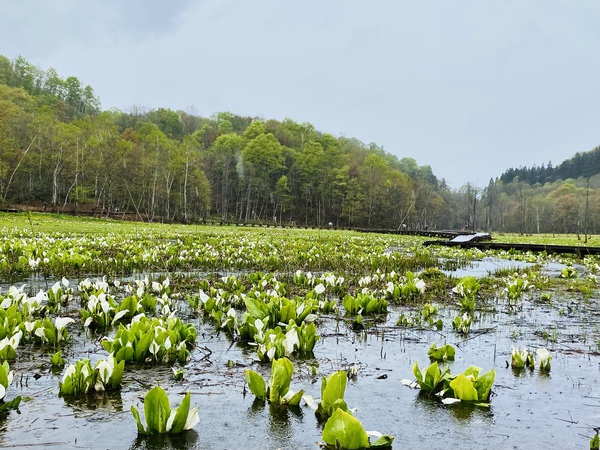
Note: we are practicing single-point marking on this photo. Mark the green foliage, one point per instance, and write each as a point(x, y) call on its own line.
point(444, 353)
point(468, 386)
point(155, 340)
point(333, 389)
point(81, 378)
point(343, 431)
point(278, 392)
point(364, 304)
point(462, 324)
point(160, 418)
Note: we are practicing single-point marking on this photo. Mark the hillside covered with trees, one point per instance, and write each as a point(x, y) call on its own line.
point(59, 149)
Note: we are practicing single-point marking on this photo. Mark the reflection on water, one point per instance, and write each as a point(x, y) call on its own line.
point(464, 412)
point(181, 441)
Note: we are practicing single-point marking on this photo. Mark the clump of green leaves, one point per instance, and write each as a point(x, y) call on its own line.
point(160, 418)
point(156, 340)
point(6, 377)
point(364, 304)
point(344, 431)
point(466, 289)
point(516, 286)
point(333, 389)
point(462, 324)
point(278, 391)
point(521, 358)
point(444, 353)
point(408, 288)
point(81, 378)
point(468, 386)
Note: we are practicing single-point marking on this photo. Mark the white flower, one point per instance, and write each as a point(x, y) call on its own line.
point(55, 287)
point(106, 368)
point(203, 297)
point(319, 288)
point(61, 322)
point(271, 353)
point(192, 419)
point(291, 341)
point(390, 287)
point(119, 315)
point(65, 282)
point(69, 372)
point(420, 285)
point(154, 348)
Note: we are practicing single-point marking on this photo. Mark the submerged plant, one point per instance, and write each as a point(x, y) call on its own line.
point(278, 392)
point(160, 418)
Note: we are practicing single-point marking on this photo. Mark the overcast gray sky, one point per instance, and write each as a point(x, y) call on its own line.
point(469, 87)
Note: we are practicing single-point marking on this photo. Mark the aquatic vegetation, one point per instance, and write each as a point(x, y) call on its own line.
point(521, 358)
point(468, 386)
point(8, 346)
point(81, 377)
point(467, 289)
point(364, 304)
point(156, 340)
point(516, 286)
point(568, 272)
point(444, 353)
point(462, 324)
point(333, 389)
point(274, 343)
point(45, 332)
point(543, 360)
point(344, 431)
point(278, 391)
point(6, 378)
point(160, 418)
point(408, 288)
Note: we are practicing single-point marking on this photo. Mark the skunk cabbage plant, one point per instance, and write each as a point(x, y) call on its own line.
point(333, 389)
point(344, 431)
point(160, 418)
point(278, 392)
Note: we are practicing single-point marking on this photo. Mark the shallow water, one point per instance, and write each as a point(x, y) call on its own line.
point(528, 409)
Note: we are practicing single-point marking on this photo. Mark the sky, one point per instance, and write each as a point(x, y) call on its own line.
point(468, 87)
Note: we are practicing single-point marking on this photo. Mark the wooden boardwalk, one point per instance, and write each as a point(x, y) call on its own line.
point(579, 250)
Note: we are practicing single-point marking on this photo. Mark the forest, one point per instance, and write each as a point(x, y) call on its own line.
point(60, 151)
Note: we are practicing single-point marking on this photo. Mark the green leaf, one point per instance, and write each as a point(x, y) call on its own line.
point(281, 377)
point(256, 308)
point(344, 429)
point(141, 349)
point(333, 389)
point(384, 441)
point(115, 378)
point(124, 354)
point(136, 416)
point(157, 410)
point(256, 383)
point(295, 400)
point(181, 415)
point(463, 389)
point(484, 383)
